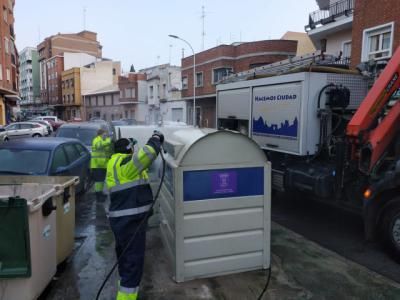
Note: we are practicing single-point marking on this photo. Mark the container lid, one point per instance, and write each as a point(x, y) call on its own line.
point(199, 147)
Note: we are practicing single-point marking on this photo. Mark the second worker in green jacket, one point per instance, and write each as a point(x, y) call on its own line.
point(101, 153)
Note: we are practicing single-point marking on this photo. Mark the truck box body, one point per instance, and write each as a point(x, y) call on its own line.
point(281, 113)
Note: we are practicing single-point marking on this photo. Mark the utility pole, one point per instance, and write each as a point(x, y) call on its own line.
point(203, 33)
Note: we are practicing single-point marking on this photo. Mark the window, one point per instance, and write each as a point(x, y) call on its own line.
point(5, 14)
point(114, 71)
point(72, 153)
point(177, 114)
point(128, 93)
point(8, 74)
point(12, 127)
point(377, 42)
point(346, 51)
point(220, 73)
point(164, 90)
point(199, 79)
point(59, 160)
point(184, 83)
point(151, 91)
point(6, 45)
point(25, 126)
point(81, 149)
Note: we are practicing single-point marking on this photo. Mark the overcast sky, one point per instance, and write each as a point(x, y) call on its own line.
point(136, 32)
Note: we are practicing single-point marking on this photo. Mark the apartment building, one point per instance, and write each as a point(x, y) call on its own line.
point(71, 94)
point(304, 44)
point(51, 62)
point(330, 28)
point(133, 96)
point(78, 82)
point(104, 104)
point(164, 85)
point(358, 31)
point(214, 64)
point(9, 72)
point(376, 30)
point(29, 87)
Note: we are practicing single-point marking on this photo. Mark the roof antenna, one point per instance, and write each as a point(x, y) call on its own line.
point(203, 33)
point(84, 18)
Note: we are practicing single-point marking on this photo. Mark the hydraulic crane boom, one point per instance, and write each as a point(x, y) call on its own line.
point(369, 142)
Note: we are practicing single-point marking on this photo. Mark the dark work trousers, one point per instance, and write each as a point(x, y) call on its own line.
point(130, 266)
point(98, 177)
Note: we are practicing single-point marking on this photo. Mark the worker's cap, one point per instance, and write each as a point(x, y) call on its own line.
point(124, 145)
point(101, 131)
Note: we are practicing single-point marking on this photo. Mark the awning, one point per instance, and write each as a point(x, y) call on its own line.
point(12, 99)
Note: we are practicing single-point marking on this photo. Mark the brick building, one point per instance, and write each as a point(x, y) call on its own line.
point(9, 72)
point(51, 62)
point(214, 64)
point(133, 92)
point(376, 30)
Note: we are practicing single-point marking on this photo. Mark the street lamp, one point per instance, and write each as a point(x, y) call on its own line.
point(194, 75)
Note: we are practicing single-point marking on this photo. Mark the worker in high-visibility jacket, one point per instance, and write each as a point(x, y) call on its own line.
point(101, 153)
point(131, 199)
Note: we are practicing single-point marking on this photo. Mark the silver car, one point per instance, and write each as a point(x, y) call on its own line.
point(23, 130)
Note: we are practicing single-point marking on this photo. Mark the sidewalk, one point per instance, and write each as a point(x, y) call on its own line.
point(300, 270)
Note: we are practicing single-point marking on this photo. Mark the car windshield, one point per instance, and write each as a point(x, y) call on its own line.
point(85, 135)
point(21, 161)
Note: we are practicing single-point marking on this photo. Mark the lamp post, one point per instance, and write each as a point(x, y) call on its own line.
point(194, 75)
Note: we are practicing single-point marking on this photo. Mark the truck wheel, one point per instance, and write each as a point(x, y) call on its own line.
point(391, 229)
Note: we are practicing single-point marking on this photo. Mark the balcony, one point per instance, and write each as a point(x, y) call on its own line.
point(334, 12)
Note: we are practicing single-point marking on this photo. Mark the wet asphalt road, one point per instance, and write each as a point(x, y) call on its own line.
point(336, 230)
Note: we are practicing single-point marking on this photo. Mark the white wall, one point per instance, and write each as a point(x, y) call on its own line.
point(168, 107)
point(98, 76)
point(77, 60)
point(335, 41)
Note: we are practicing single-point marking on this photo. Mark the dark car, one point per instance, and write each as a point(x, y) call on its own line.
point(48, 157)
point(85, 132)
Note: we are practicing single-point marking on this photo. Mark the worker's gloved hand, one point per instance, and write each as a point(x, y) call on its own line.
point(158, 135)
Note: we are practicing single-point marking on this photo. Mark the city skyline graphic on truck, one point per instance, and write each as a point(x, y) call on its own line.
point(284, 129)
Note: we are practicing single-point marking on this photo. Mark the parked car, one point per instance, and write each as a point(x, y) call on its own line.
point(45, 123)
point(48, 156)
point(23, 130)
point(48, 118)
point(85, 132)
point(53, 120)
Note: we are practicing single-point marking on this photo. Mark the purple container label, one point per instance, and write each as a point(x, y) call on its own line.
point(224, 182)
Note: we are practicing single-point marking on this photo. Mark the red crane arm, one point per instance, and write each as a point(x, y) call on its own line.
point(374, 141)
point(387, 83)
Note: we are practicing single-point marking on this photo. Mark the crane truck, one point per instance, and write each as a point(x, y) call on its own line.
point(328, 136)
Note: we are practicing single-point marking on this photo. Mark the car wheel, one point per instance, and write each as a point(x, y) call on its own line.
point(36, 135)
point(86, 183)
point(391, 229)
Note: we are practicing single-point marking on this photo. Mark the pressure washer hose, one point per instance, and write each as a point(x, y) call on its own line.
point(142, 223)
